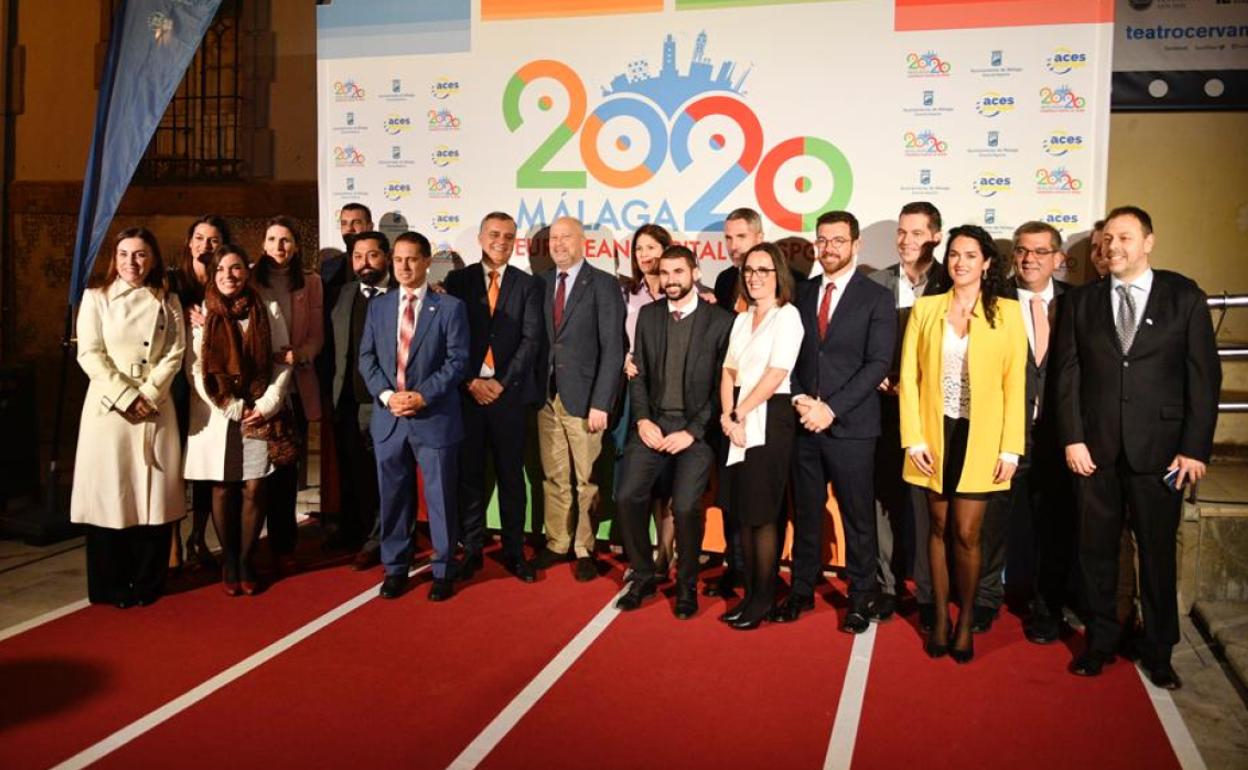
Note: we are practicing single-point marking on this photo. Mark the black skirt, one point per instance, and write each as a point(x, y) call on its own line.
point(957, 432)
point(757, 484)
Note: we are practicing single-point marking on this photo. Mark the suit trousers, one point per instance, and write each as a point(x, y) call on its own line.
point(569, 452)
point(1103, 501)
point(639, 471)
point(496, 431)
point(848, 464)
point(901, 516)
point(281, 491)
point(358, 470)
point(126, 564)
point(397, 459)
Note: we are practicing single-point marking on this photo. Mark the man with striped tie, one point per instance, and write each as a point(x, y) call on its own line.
point(414, 356)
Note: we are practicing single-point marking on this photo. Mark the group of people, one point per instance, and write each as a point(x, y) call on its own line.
point(966, 404)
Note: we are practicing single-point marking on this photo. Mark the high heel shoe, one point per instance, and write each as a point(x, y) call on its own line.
point(229, 583)
point(248, 581)
point(744, 623)
point(963, 656)
point(936, 649)
point(734, 614)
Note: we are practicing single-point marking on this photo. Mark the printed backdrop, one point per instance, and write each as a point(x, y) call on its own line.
point(622, 112)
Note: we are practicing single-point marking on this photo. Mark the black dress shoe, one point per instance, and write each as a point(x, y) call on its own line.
point(1041, 627)
point(791, 608)
point(882, 608)
point(441, 590)
point(927, 616)
point(521, 569)
point(725, 587)
point(734, 613)
point(586, 569)
point(393, 586)
point(743, 623)
point(1163, 675)
point(638, 592)
point(686, 602)
point(471, 564)
point(547, 558)
point(857, 620)
point(1090, 663)
point(982, 618)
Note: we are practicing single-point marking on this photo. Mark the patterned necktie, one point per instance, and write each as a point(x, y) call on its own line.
point(560, 294)
point(825, 308)
point(1126, 317)
point(407, 327)
point(492, 295)
point(1040, 325)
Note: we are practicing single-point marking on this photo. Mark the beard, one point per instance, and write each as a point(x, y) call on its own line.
point(682, 291)
point(371, 276)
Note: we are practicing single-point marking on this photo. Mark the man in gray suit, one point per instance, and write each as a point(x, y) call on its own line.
point(353, 406)
point(899, 506)
point(584, 318)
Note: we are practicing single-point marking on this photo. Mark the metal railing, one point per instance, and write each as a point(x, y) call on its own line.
point(1230, 402)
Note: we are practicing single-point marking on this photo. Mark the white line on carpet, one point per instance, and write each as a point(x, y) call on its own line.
point(46, 617)
point(108, 745)
point(849, 708)
point(497, 729)
point(1176, 730)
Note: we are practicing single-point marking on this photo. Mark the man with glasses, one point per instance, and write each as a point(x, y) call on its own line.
point(1038, 507)
point(851, 328)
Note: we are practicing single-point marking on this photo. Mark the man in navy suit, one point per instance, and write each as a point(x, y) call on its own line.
point(584, 315)
point(851, 328)
point(414, 355)
point(505, 320)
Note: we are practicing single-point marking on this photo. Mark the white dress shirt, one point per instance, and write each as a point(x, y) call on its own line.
point(751, 352)
point(691, 304)
point(1024, 305)
point(1140, 289)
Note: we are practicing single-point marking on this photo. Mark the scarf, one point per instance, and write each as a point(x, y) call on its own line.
point(236, 364)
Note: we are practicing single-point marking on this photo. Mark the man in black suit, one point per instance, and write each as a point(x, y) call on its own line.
point(1040, 502)
point(900, 506)
point(1137, 402)
point(678, 349)
point(851, 328)
point(353, 406)
point(505, 323)
point(353, 219)
point(584, 318)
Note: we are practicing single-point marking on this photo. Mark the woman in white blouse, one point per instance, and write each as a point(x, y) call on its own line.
point(238, 386)
point(759, 421)
point(128, 483)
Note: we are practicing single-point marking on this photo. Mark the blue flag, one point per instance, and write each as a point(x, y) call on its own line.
point(152, 43)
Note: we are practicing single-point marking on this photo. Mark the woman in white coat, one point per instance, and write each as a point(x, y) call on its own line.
point(128, 483)
point(237, 387)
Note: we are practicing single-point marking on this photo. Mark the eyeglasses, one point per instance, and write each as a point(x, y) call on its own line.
point(761, 272)
point(838, 242)
point(1023, 251)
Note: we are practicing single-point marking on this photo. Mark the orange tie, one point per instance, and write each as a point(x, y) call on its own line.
point(1040, 324)
point(491, 294)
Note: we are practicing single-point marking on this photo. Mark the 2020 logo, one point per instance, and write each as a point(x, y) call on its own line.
point(348, 91)
point(443, 120)
point(1057, 180)
point(924, 143)
point(926, 65)
point(443, 187)
point(1061, 99)
point(348, 156)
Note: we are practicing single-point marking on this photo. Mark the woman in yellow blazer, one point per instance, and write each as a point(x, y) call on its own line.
point(963, 375)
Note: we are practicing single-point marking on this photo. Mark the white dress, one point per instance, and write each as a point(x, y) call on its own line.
point(130, 343)
point(216, 449)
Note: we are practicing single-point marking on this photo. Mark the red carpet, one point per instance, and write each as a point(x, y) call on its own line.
point(657, 692)
point(1014, 705)
point(402, 683)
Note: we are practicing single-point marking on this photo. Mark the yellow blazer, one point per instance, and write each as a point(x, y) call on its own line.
point(997, 362)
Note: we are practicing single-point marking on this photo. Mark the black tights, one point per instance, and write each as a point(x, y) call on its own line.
point(238, 515)
point(761, 547)
point(967, 519)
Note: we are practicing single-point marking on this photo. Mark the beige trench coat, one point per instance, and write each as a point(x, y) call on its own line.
point(130, 342)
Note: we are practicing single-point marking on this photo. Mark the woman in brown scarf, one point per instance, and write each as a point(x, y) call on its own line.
point(238, 388)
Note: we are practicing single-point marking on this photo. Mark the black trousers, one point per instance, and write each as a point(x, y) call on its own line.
point(734, 555)
point(848, 464)
point(640, 469)
point(281, 491)
point(126, 564)
point(357, 468)
point(902, 518)
point(496, 431)
point(1103, 501)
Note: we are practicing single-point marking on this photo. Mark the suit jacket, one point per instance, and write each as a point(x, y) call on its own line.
point(845, 368)
point(307, 337)
point(707, 345)
point(340, 325)
point(1040, 387)
point(436, 365)
point(514, 331)
point(996, 357)
point(1155, 401)
point(586, 352)
point(890, 278)
point(726, 287)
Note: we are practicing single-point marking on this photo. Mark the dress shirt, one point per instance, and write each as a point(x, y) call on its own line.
point(840, 279)
point(572, 272)
point(384, 398)
point(1024, 306)
point(379, 289)
point(906, 291)
point(1140, 289)
point(751, 352)
point(691, 304)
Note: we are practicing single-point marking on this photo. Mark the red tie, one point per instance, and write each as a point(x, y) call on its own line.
point(824, 309)
point(560, 294)
point(407, 327)
point(676, 314)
